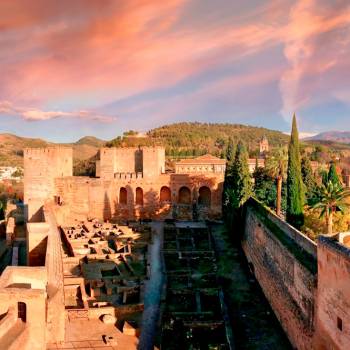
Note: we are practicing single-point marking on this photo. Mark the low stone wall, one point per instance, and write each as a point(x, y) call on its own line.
point(284, 263)
point(8, 321)
point(54, 265)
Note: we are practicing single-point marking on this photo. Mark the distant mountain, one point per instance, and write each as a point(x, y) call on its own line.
point(334, 136)
point(91, 141)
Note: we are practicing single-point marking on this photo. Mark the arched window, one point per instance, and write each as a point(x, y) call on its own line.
point(184, 195)
point(204, 196)
point(139, 196)
point(165, 194)
point(22, 311)
point(123, 195)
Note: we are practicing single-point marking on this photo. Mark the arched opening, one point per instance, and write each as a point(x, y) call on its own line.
point(165, 194)
point(123, 195)
point(184, 195)
point(204, 196)
point(22, 311)
point(139, 196)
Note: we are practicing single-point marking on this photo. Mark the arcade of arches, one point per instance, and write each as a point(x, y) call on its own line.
point(184, 196)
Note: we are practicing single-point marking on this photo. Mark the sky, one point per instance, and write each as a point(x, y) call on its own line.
point(72, 68)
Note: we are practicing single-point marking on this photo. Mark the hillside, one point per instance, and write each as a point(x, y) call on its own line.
point(179, 140)
point(334, 136)
point(11, 148)
point(188, 139)
point(90, 141)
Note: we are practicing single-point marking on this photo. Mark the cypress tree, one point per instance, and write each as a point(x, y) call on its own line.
point(241, 182)
point(308, 177)
point(295, 186)
point(332, 174)
point(230, 151)
point(237, 185)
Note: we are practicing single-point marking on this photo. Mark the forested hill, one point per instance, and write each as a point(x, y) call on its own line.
point(190, 139)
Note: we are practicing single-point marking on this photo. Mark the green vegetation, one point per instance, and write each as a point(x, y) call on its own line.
point(332, 175)
point(295, 186)
point(308, 178)
point(329, 198)
point(276, 165)
point(194, 139)
point(265, 189)
point(237, 184)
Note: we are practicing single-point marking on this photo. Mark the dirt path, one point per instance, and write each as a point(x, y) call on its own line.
point(253, 322)
point(153, 291)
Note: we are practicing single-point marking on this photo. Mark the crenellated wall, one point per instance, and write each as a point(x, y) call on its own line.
point(284, 263)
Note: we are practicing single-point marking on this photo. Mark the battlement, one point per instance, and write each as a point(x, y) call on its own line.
point(149, 161)
point(128, 176)
point(54, 150)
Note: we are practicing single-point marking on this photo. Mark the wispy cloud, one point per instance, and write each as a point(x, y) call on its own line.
point(32, 114)
point(314, 41)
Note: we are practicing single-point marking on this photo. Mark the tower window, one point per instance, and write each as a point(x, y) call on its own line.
point(339, 323)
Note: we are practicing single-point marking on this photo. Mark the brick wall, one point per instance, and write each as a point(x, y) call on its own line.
point(284, 263)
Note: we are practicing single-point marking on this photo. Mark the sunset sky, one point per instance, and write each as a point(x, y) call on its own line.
point(71, 68)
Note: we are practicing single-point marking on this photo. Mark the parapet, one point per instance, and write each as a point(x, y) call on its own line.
point(54, 150)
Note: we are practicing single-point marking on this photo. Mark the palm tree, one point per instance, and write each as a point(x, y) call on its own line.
point(276, 166)
point(329, 198)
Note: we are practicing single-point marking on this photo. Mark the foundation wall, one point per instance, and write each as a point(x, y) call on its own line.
point(285, 269)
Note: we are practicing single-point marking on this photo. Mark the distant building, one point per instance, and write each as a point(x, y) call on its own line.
point(11, 173)
point(204, 164)
point(346, 178)
point(252, 162)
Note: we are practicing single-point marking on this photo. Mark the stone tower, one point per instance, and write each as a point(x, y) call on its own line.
point(264, 145)
point(41, 167)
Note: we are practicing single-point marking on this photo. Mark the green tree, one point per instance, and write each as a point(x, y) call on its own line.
point(295, 186)
point(330, 198)
point(237, 185)
point(230, 151)
point(332, 174)
point(264, 187)
point(308, 177)
point(276, 165)
point(240, 182)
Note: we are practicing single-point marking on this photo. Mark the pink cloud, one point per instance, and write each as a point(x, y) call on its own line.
point(31, 114)
point(112, 48)
point(313, 25)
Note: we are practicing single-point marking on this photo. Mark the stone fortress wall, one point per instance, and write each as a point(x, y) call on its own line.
point(130, 183)
point(42, 166)
point(306, 284)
